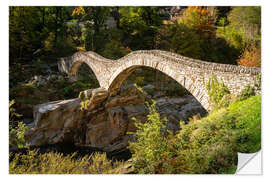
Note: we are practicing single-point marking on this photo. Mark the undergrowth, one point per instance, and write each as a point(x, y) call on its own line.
point(203, 146)
point(56, 163)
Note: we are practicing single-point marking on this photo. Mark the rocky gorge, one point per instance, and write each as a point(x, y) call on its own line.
point(107, 118)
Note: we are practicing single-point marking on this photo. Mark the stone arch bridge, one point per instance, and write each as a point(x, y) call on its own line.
point(190, 73)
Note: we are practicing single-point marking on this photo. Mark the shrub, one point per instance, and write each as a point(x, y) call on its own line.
point(16, 129)
point(216, 90)
point(227, 100)
point(258, 82)
point(210, 145)
point(12, 112)
point(16, 135)
point(251, 56)
point(247, 92)
point(207, 145)
point(150, 142)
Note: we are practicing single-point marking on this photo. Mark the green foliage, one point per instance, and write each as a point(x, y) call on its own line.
point(243, 29)
point(203, 146)
point(115, 50)
point(248, 122)
point(227, 100)
point(139, 25)
point(250, 90)
point(56, 163)
point(258, 82)
point(247, 21)
point(84, 104)
point(16, 135)
point(56, 31)
point(74, 89)
point(34, 31)
point(150, 142)
point(179, 38)
point(216, 90)
point(94, 18)
point(12, 111)
point(247, 92)
point(81, 96)
point(16, 129)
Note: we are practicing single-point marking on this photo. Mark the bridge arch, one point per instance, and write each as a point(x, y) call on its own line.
point(71, 65)
point(193, 85)
point(190, 73)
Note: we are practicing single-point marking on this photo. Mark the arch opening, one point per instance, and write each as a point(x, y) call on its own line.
point(80, 78)
point(86, 75)
point(174, 101)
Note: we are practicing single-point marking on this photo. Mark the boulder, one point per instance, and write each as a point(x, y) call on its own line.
point(53, 120)
point(106, 120)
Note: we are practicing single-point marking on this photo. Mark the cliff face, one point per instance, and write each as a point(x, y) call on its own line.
point(107, 119)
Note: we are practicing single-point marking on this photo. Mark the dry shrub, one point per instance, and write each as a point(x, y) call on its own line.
point(251, 57)
point(56, 163)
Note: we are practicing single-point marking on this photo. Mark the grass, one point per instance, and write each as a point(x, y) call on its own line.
point(56, 163)
point(248, 115)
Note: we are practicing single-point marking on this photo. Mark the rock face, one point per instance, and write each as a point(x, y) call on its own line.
point(54, 121)
point(107, 119)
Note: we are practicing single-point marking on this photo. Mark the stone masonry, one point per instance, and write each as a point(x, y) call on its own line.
point(190, 73)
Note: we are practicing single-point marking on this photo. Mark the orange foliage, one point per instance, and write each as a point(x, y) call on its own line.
point(201, 19)
point(78, 11)
point(251, 57)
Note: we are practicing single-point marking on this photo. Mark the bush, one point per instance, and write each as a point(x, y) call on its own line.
point(251, 56)
point(151, 142)
point(258, 82)
point(16, 129)
point(56, 163)
point(216, 90)
point(227, 100)
point(16, 135)
point(207, 145)
point(247, 92)
point(12, 112)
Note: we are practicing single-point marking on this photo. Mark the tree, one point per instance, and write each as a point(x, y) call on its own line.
point(34, 29)
point(94, 21)
point(179, 38)
point(201, 19)
point(25, 32)
point(247, 21)
point(140, 25)
point(251, 56)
